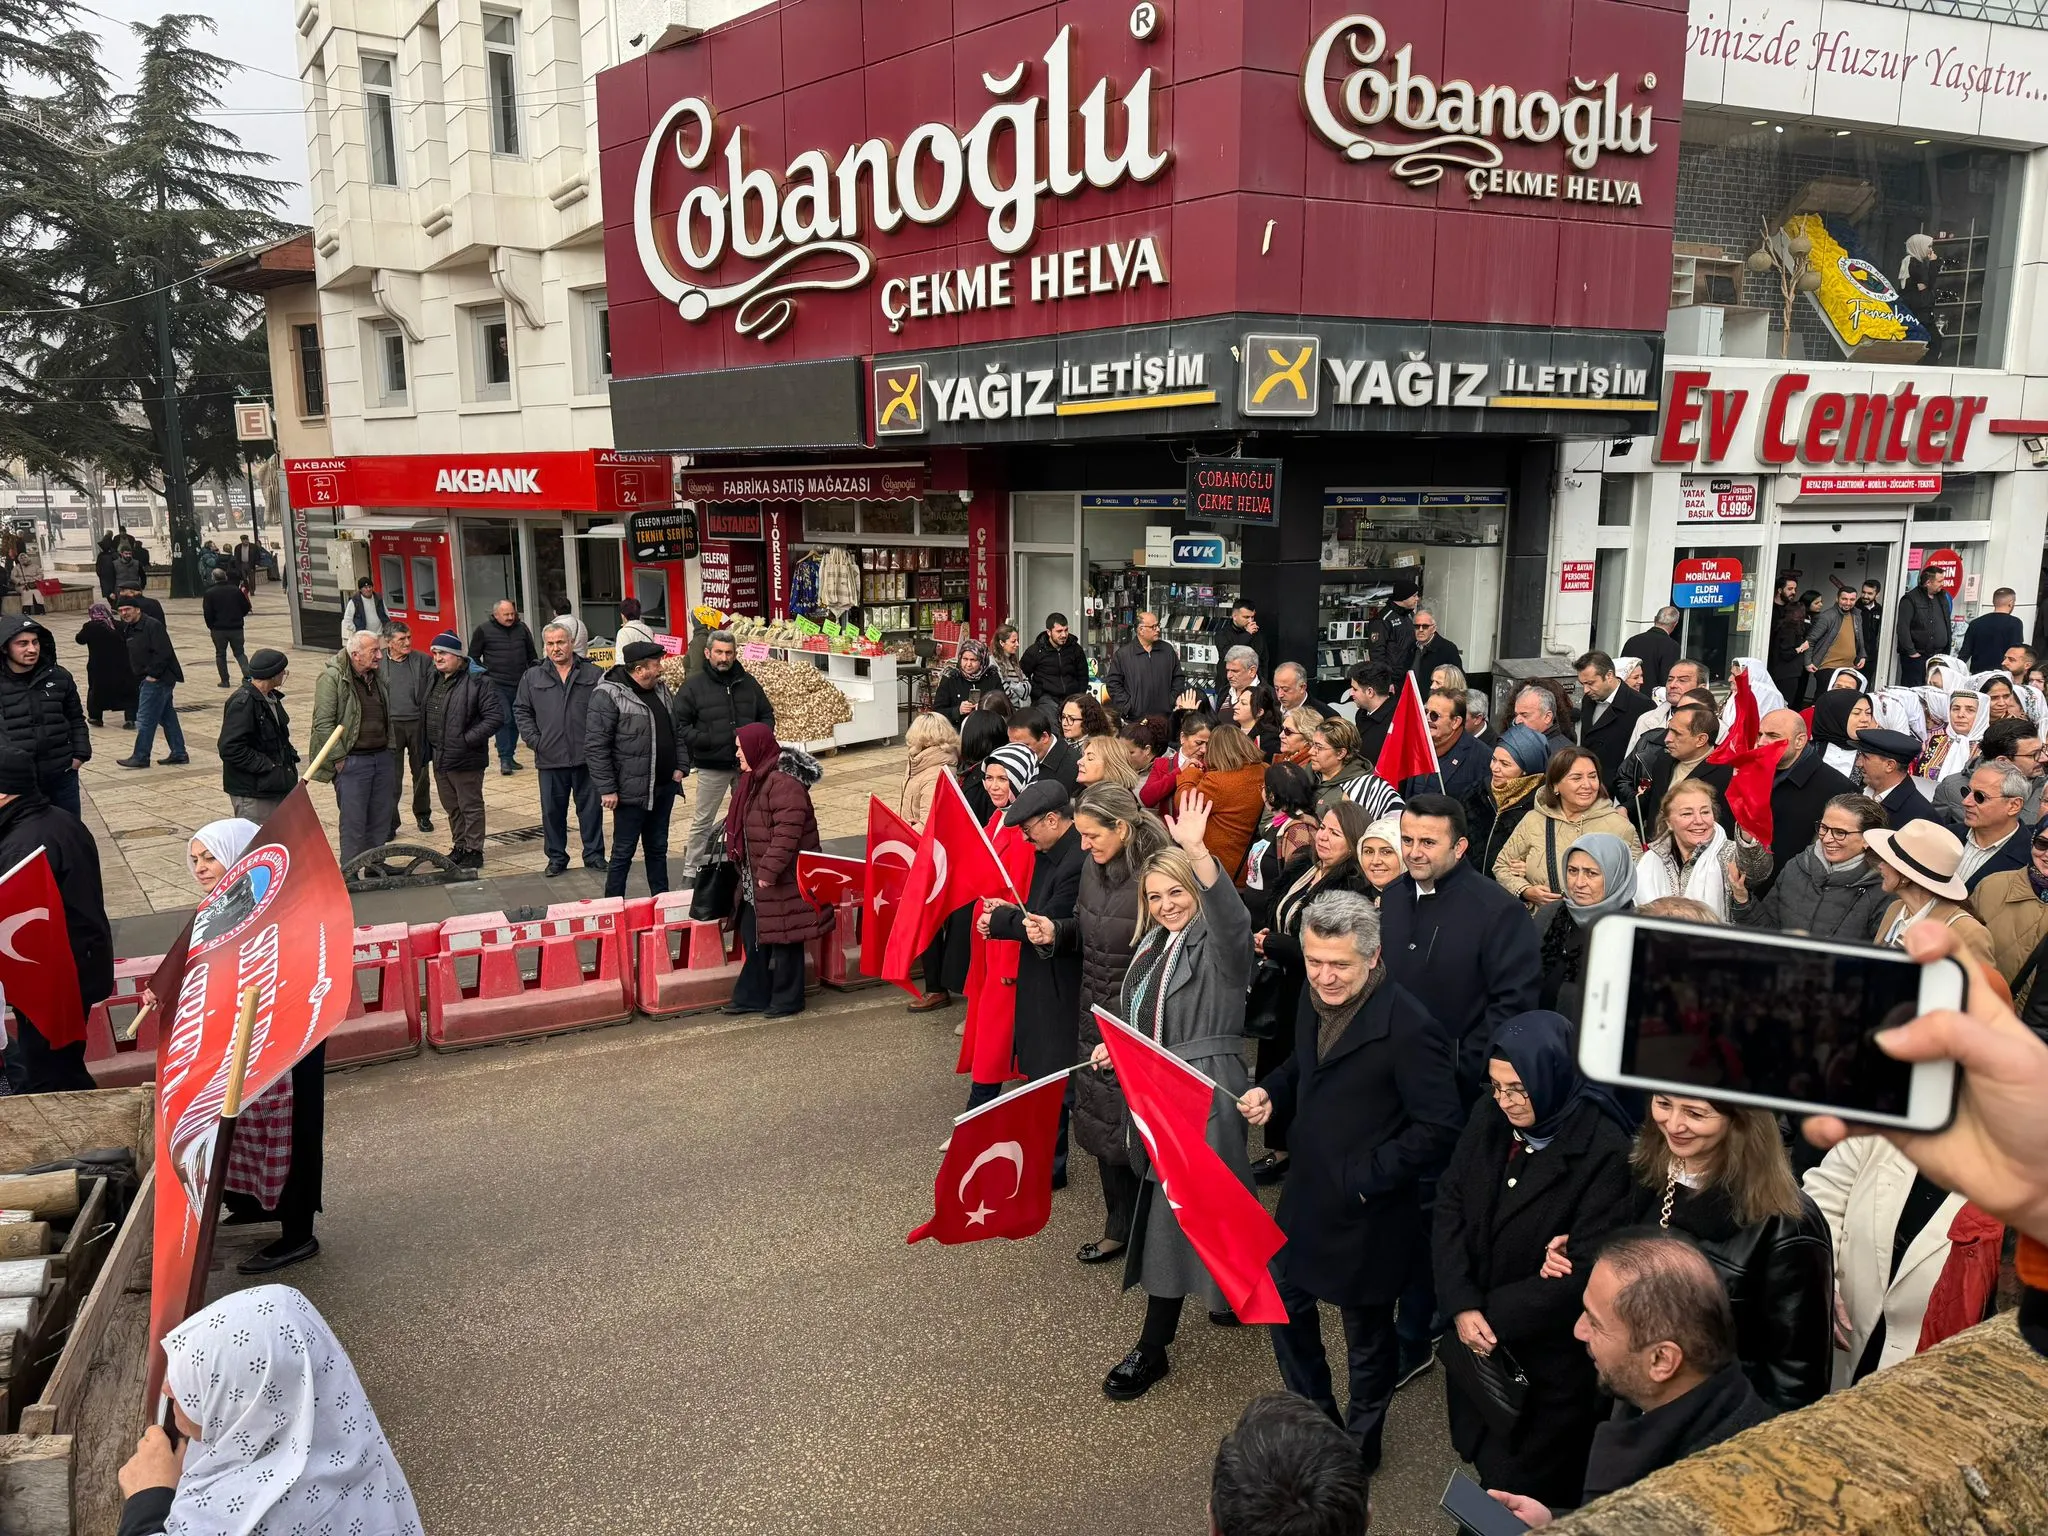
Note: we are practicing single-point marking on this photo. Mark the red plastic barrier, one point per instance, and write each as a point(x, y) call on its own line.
point(113, 1061)
point(839, 949)
point(565, 991)
point(392, 1028)
point(680, 966)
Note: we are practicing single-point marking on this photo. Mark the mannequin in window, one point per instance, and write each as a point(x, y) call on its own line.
point(1919, 275)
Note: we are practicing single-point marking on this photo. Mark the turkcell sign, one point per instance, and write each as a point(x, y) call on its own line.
point(1197, 549)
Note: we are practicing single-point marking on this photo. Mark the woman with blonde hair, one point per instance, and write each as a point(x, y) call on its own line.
point(1104, 761)
point(1231, 777)
point(1718, 1173)
point(1297, 730)
point(1336, 757)
point(1694, 855)
point(931, 747)
point(1571, 804)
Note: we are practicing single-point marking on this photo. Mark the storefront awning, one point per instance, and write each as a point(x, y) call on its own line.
point(596, 480)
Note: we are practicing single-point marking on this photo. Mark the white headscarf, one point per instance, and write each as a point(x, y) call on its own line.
point(1907, 702)
point(1768, 697)
point(1862, 682)
point(1623, 665)
point(226, 840)
point(1918, 248)
point(288, 1440)
point(1960, 748)
point(1706, 881)
point(1947, 672)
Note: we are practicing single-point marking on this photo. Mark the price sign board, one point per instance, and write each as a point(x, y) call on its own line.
point(1707, 583)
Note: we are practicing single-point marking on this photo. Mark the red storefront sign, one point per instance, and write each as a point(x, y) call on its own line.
point(826, 482)
point(836, 178)
point(1947, 560)
point(988, 563)
point(600, 480)
point(1702, 424)
point(785, 526)
point(1867, 486)
point(741, 522)
point(1717, 569)
point(1575, 576)
point(729, 578)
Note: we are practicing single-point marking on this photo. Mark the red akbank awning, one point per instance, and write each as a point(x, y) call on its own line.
point(597, 480)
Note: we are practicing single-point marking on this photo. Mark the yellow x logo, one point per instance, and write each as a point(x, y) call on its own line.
point(903, 396)
point(1290, 373)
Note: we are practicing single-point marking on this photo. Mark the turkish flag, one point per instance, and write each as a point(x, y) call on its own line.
point(1408, 750)
point(1229, 1228)
point(892, 849)
point(1756, 765)
point(996, 1177)
point(822, 878)
point(279, 921)
point(955, 864)
point(41, 986)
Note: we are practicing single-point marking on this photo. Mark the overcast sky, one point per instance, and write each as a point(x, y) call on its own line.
point(260, 102)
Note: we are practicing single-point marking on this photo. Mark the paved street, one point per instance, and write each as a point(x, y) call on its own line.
point(654, 1279)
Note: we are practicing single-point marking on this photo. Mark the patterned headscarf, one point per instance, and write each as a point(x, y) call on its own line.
point(1016, 760)
point(100, 613)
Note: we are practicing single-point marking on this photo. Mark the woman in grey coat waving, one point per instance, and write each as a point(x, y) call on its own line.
point(1185, 989)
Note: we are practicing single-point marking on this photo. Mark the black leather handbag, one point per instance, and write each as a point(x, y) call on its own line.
point(1493, 1383)
point(716, 895)
point(1262, 1002)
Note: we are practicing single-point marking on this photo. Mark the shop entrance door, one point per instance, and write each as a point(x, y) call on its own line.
point(1831, 556)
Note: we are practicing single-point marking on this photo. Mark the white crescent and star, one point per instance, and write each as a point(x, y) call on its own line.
point(1145, 1131)
point(905, 855)
point(13, 925)
point(1009, 1151)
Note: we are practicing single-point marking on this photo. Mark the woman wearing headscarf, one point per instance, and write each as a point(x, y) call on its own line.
point(988, 1037)
point(1831, 890)
point(279, 1433)
point(1761, 684)
point(1952, 745)
point(1379, 854)
point(1839, 717)
point(275, 1160)
point(1539, 1177)
point(1571, 804)
point(1919, 280)
point(2002, 699)
point(110, 682)
point(1518, 763)
point(1630, 670)
point(960, 690)
point(1186, 989)
point(771, 821)
point(1599, 878)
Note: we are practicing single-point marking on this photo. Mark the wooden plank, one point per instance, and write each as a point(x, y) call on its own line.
point(35, 1485)
point(110, 1417)
point(56, 1410)
point(46, 1127)
point(47, 1194)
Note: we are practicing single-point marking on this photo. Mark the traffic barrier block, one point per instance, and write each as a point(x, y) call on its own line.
point(120, 1051)
point(681, 966)
point(385, 1023)
point(494, 979)
point(839, 949)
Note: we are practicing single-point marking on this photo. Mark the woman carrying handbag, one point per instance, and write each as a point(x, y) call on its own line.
point(770, 822)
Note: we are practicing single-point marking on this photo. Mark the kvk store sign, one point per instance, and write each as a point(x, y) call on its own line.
point(895, 188)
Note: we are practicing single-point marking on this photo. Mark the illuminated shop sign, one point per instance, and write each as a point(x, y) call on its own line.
point(1794, 423)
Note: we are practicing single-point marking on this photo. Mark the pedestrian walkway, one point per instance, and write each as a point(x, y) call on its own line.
point(143, 819)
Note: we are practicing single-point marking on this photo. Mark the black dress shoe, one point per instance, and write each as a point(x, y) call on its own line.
point(1059, 1178)
point(1226, 1320)
point(425, 823)
point(781, 1013)
point(1095, 1253)
point(279, 1255)
point(131, 762)
point(172, 762)
point(555, 869)
point(1270, 1169)
point(736, 1010)
point(601, 865)
point(1135, 1375)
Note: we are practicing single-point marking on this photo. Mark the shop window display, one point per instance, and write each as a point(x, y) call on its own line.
point(1440, 538)
point(1882, 246)
point(904, 587)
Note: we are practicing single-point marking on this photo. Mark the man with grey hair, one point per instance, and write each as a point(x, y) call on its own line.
point(1371, 1100)
point(1476, 704)
point(408, 676)
point(1144, 677)
point(1432, 649)
point(713, 703)
point(1537, 709)
point(1994, 838)
point(1240, 675)
point(350, 695)
point(1656, 647)
point(503, 646)
point(550, 709)
point(1290, 686)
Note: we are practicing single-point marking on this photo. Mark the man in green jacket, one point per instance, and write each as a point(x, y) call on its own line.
point(351, 693)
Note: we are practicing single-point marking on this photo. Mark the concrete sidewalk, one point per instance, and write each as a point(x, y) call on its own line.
point(143, 819)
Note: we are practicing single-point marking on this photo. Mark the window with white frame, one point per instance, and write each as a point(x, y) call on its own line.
point(389, 387)
point(380, 117)
point(312, 373)
point(491, 353)
point(501, 80)
point(594, 327)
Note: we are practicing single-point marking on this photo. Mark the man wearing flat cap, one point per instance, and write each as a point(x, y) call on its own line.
point(1883, 758)
point(258, 763)
point(1048, 1034)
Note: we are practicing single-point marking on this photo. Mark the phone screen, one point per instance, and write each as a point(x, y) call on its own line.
point(1790, 1023)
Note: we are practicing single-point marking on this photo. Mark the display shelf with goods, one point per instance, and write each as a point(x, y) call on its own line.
point(1116, 596)
point(1192, 608)
point(1960, 307)
point(912, 555)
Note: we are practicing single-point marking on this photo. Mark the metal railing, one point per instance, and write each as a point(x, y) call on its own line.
point(2017, 13)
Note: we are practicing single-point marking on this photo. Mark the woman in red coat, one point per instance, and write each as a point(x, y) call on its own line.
point(770, 822)
point(988, 1044)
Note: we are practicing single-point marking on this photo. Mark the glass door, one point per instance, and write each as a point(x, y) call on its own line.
point(491, 570)
point(550, 572)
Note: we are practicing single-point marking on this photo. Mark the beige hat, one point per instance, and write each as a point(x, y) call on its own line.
point(1925, 853)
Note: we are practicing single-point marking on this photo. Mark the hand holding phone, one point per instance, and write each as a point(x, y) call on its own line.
point(1487, 1514)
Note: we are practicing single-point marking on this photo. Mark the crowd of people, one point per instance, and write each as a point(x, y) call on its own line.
point(1385, 980)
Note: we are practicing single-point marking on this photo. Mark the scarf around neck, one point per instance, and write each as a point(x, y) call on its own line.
point(1332, 1022)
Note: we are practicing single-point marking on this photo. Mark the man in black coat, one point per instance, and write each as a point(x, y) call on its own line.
point(1804, 786)
point(503, 646)
point(461, 713)
point(1656, 647)
point(1373, 691)
point(29, 821)
point(1145, 676)
point(1393, 633)
point(1608, 712)
point(1432, 650)
point(1056, 761)
point(1682, 754)
point(1658, 1325)
point(711, 706)
point(258, 763)
point(1464, 762)
point(40, 711)
point(1923, 627)
point(1370, 1097)
point(226, 608)
point(1990, 635)
point(1054, 664)
point(1048, 982)
point(1243, 629)
point(154, 661)
point(1884, 758)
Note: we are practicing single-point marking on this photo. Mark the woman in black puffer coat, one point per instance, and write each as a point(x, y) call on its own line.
point(1118, 835)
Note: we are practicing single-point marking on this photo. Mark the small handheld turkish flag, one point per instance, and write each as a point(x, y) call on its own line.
point(892, 848)
point(1220, 1217)
point(1756, 764)
point(41, 985)
point(996, 1178)
point(822, 878)
point(955, 864)
point(1408, 750)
